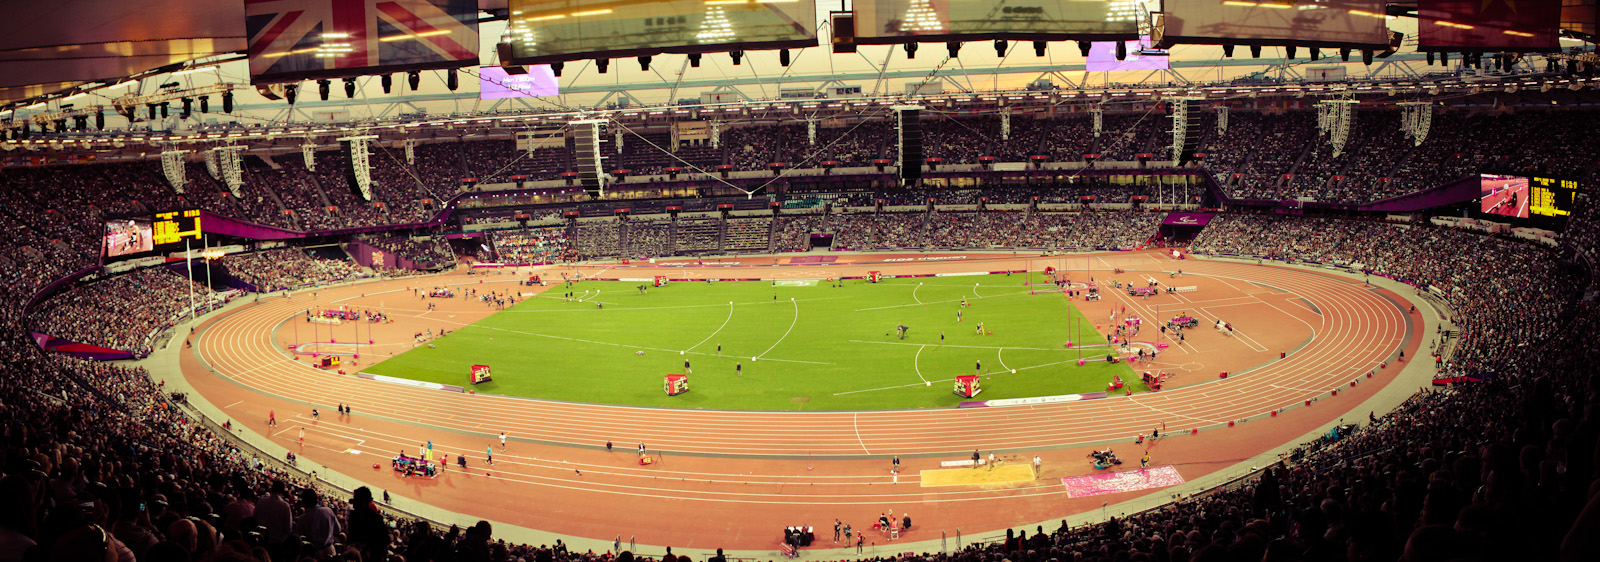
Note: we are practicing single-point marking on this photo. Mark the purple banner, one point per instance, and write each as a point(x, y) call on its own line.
point(80, 350)
point(217, 224)
point(1188, 219)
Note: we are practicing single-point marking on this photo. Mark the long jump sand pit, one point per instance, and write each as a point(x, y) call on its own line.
point(991, 476)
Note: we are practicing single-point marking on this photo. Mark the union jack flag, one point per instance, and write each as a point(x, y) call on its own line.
point(293, 40)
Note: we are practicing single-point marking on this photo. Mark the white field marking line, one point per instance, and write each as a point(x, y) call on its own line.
point(979, 346)
point(786, 332)
point(580, 340)
point(389, 440)
point(1001, 353)
point(1286, 313)
point(262, 366)
point(856, 423)
point(1311, 390)
point(719, 329)
point(663, 307)
point(916, 362)
point(233, 404)
point(914, 294)
point(1152, 408)
point(1239, 334)
point(932, 302)
point(952, 379)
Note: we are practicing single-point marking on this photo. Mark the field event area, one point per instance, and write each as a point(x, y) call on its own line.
point(778, 345)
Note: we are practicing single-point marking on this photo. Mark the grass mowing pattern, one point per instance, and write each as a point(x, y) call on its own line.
point(820, 347)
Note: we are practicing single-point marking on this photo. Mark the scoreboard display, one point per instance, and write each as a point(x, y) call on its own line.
point(1551, 197)
point(145, 235)
point(173, 227)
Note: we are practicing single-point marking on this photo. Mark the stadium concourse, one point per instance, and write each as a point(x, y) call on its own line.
point(745, 474)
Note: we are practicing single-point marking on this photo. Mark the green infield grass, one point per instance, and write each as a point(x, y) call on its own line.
point(802, 345)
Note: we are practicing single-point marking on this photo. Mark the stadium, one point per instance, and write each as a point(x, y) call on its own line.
point(519, 280)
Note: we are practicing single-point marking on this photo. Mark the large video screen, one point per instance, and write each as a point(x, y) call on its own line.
point(128, 236)
point(1273, 22)
point(544, 31)
point(899, 21)
point(495, 83)
point(1140, 56)
point(1506, 196)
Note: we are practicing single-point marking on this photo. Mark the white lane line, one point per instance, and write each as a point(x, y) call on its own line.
point(857, 425)
point(719, 328)
point(786, 332)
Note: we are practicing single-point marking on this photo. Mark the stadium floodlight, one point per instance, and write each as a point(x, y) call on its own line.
point(602, 65)
point(1039, 48)
point(783, 57)
point(349, 88)
point(644, 63)
point(388, 83)
point(450, 80)
point(738, 56)
point(954, 47)
point(1000, 47)
point(1227, 50)
point(290, 91)
point(555, 67)
point(322, 89)
point(227, 102)
point(694, 62)
point(414, 78)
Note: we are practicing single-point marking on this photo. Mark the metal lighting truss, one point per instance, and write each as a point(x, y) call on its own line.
point(1180, 125)
point(1334, 118)
point(227, 158)
point(359, 165)
point(172, 168)
point(211, 165)
point(1415, 120)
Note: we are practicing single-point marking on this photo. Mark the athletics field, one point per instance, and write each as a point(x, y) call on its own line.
point(802, 345)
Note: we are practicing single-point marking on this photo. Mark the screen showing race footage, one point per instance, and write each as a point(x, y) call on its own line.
point(128, 236)
point(1505, 196)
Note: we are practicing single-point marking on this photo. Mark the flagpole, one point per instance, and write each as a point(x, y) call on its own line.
point(188, 265)
point(206, 245)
